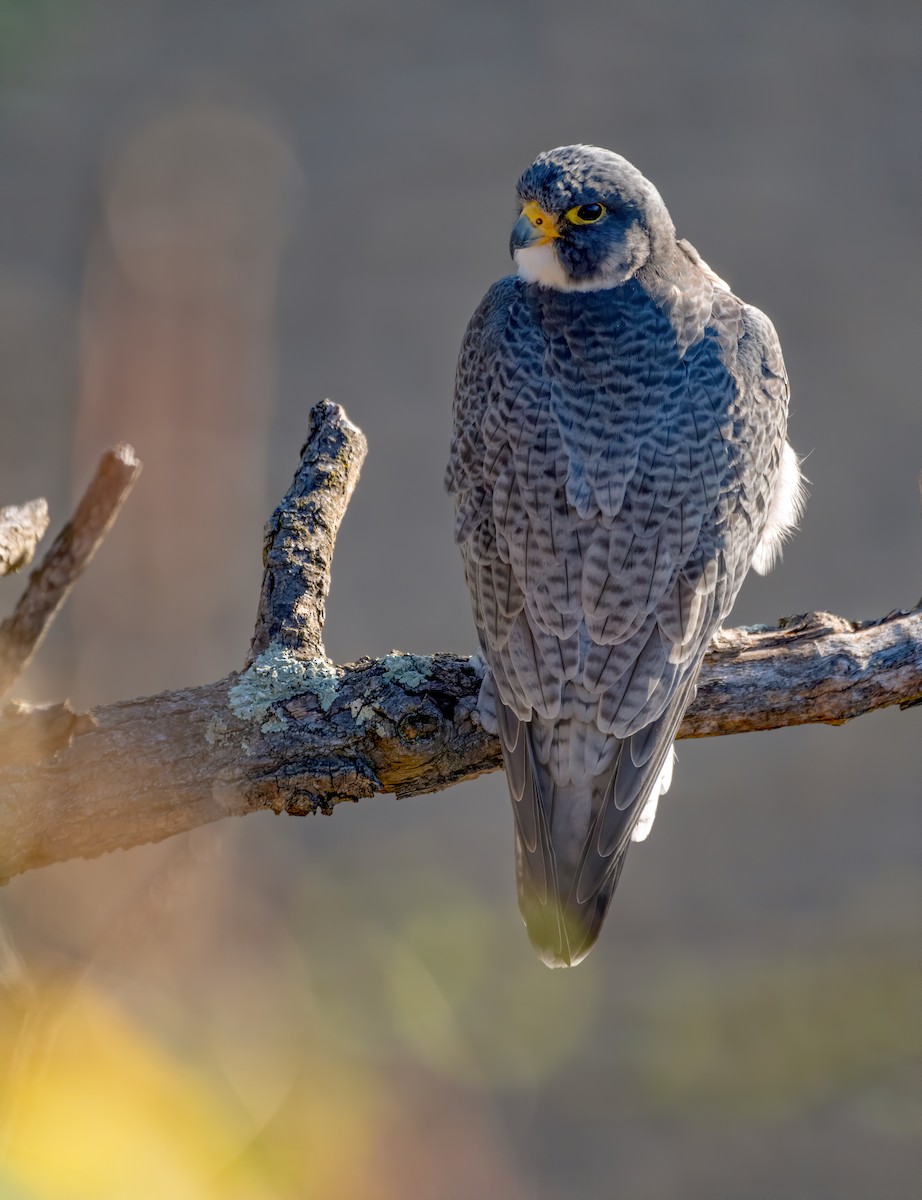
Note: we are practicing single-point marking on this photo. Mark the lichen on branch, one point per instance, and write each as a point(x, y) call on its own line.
point(294, 732)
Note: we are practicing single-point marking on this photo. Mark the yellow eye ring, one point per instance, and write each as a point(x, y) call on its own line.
point(586, 214)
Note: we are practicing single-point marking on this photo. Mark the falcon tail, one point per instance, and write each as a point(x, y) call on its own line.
point(561, 930)
point(564, 883)
point(571, 839)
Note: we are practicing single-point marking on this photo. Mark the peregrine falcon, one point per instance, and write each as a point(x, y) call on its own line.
point(619, 461)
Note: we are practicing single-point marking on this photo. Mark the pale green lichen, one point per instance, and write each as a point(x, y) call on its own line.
point(323, 680)
point(361, 712)
point(278, 675)
point(276, 724)
point(366, 715)
point(407, 670)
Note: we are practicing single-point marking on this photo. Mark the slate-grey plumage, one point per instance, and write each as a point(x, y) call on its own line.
point(618, 463)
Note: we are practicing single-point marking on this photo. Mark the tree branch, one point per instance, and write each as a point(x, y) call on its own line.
point(813, 669)
point(49, 585)
point(22, 527)
point(293, 732)
point(301, 534)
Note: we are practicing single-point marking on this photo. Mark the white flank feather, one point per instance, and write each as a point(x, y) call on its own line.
point(785, 511)
point(661, 787)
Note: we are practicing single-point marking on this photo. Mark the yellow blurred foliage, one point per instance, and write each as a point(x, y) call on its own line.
point(100, 1110)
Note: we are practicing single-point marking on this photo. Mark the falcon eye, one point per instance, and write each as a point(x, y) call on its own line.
point(586, 214)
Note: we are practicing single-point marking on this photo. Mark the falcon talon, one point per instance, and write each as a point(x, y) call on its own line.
point(619, 462)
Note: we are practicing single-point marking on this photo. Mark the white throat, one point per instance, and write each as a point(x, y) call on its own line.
point(541, 265)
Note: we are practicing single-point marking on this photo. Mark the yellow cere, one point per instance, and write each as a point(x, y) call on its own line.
point(541, 220)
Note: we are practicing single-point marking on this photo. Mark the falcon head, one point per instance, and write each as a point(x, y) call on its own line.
point(588, 220)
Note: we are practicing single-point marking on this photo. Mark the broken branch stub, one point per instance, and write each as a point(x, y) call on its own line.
point(50, 584)
point(296, 733)
point(301, 534)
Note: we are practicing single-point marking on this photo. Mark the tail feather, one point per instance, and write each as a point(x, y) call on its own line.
point(561, 930)
point(554, 827)
point(572, 838)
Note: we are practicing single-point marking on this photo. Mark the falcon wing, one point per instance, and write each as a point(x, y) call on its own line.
point(606, 526)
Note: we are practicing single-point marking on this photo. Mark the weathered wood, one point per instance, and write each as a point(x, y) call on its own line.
point(301, 535)
point(816, 668)
point(296, 736)
point(50, 584)
point(22, 526)
point(295, 733)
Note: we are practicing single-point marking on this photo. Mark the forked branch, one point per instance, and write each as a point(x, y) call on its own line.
point(73, 548)
point(294, 732)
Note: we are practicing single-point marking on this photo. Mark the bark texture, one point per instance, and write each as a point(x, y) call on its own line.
point(301, 534)
point(294, 732)
point(22, 526)
point(73, 549)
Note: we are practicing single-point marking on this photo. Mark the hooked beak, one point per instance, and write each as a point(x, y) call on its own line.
point(534, 227)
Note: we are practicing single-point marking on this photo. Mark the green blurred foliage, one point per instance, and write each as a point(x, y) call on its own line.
point(764, 1039)
point(213, 215)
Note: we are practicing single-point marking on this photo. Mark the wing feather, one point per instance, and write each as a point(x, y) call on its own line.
point(611, 486)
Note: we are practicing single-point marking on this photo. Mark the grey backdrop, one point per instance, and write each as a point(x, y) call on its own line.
point(212, 216)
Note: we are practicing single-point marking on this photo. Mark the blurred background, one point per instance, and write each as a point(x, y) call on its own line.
point(213, 215)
